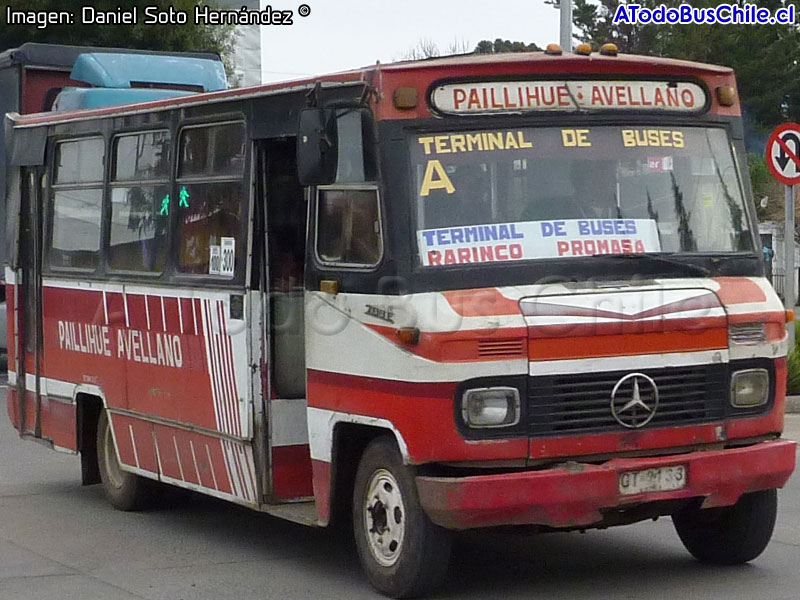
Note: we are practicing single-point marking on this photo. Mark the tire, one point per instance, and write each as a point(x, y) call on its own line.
point(731, 535)
point(409, 556)
point(125, 491)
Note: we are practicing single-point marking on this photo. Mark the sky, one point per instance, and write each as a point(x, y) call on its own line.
point(344, 34)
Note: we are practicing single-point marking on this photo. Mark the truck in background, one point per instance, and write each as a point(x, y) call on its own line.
point(42, 77)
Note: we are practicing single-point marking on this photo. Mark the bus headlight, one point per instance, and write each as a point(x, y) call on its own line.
point(749, 388)
point(490, 407)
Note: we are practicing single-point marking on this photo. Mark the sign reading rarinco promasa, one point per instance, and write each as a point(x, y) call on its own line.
point(497, 97)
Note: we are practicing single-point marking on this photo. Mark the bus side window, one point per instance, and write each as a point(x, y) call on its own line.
point(348, 227)
point(210, 196)
point(76, 200)
point(140, 202)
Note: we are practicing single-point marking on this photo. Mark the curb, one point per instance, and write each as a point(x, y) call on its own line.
point(793, 404)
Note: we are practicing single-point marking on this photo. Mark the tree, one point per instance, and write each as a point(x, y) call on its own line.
point(173, 38)
point(427, 48)
point(500, 45)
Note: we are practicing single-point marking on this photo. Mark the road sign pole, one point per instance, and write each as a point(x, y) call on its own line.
point(789, 278)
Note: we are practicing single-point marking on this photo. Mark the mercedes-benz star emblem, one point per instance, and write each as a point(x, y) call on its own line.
point(634, 400)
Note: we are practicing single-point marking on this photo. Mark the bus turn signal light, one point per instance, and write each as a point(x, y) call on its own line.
point(583, 49)
point(553, 50)
point(609, 49)
point(329, 286)
point(408, 335)
point(726, 95)
point(789, 316)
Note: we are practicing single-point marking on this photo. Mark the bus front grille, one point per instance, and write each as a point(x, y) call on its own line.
point(578, 403)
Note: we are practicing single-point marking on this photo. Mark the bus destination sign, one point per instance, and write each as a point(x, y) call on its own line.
point(505, 97)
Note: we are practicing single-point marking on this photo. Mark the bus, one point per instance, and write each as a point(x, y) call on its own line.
point(467, 292)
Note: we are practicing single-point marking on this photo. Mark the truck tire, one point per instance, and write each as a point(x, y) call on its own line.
point(730, 535)
point(125, 491)
point(402, 552)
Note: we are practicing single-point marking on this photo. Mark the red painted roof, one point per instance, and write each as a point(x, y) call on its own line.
point(597, 61)
point(522, 63)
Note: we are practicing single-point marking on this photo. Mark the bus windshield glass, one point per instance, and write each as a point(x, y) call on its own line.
point(553, 192)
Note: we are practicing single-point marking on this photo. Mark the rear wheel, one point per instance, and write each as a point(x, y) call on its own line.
point(730, 535)
point(124, 490)
point(402, 552)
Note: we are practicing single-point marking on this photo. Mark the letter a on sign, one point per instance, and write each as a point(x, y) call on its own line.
point(436, 179)
point(783, 153)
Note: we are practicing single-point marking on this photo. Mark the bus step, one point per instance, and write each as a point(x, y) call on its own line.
point(304, 513)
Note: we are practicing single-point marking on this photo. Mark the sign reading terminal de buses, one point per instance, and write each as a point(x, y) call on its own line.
point(536, 239)
point(467, 98)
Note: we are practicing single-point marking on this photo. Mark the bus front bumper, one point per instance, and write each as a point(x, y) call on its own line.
point(575, 494)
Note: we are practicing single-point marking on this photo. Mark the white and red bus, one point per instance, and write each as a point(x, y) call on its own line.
point(458, 293)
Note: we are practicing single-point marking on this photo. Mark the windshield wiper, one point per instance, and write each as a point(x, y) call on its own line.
point(662, 258)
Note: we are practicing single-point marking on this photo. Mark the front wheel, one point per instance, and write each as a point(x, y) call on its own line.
point(402, 552)
point(730, 535)
point(125, 491)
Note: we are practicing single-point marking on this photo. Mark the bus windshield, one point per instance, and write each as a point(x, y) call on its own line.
point(555, 192)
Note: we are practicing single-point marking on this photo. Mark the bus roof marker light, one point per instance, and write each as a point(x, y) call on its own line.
point(583, 49)
point(553, 50)
point(726, 95)
point(609, 49)
point(405, 98)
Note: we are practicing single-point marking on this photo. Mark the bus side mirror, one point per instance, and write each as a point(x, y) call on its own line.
point(317, 146)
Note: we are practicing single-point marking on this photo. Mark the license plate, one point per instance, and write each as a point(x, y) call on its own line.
point(662, 479)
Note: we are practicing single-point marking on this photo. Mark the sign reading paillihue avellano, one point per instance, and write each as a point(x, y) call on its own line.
point(524, 96)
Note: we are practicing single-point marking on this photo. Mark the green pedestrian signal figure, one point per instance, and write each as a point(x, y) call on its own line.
point(183, 200)
point(164, 206)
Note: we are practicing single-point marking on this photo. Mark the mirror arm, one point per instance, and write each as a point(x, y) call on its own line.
point(313, 95)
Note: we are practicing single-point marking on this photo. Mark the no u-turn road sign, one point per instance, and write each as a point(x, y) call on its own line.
point(783, 153)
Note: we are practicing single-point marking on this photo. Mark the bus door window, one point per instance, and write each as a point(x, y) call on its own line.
point(286, 228)
point(286, 216)
point(140, 202)
point(210, 199)
point(348, 227)
point(286, 273)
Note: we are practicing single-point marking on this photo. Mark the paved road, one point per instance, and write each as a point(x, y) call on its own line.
point(61, 541)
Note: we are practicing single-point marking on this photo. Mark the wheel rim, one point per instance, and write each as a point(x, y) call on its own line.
point(384, 518)
point(110, 459)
